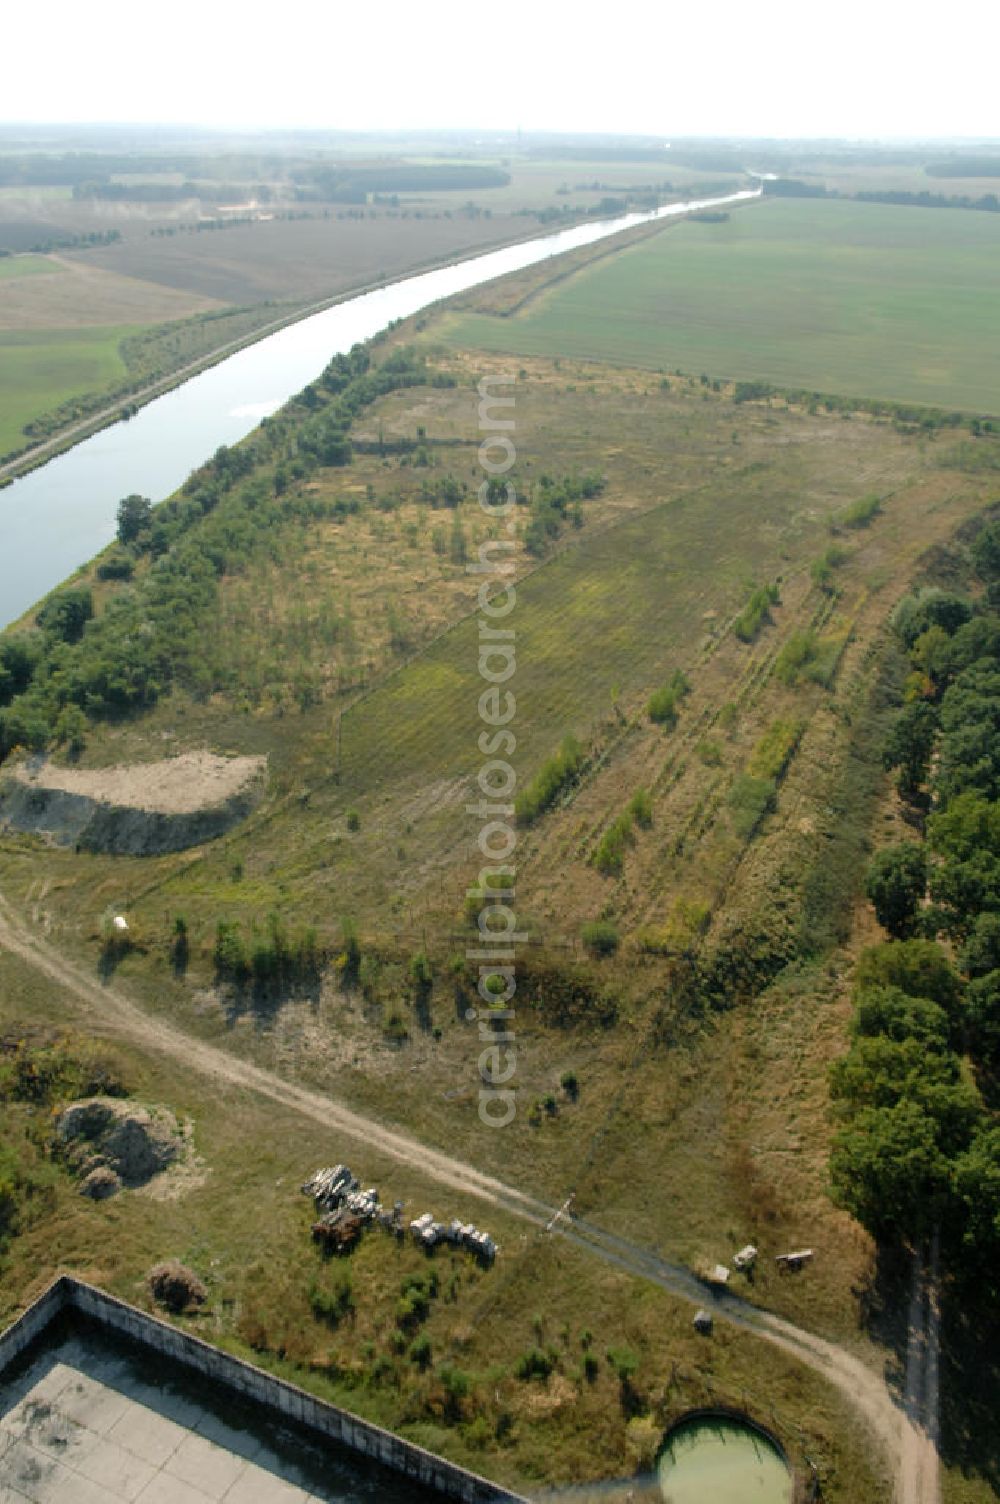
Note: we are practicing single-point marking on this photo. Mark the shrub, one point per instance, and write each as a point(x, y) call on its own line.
point(750, 799)
point(609, 856)
point(554, 776)
point(600, 937)
point(823, 568)
point(756, 612)
point(799, 657)
point(175, 1286)
point(570, 1085)
point(860, 513)
point(334, 1302)
point(117, 564)
point(640, 807)
point(662, 707)
point(775, 750)
point(353, 820)
point(534, 1364)
point(420, 1351)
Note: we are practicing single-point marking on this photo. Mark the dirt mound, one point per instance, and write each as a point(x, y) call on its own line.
point(139, 810)
point(176, 1286)
point(106, 1139)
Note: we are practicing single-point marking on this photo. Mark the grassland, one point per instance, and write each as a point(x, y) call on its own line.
point(43, 368)
point(12, 267)
point(854, 299)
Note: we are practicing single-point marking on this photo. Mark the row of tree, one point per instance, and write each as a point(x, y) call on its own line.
point(918, 1094)
point(76, 665)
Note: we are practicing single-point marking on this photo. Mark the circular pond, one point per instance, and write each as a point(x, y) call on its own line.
point(720, 1459)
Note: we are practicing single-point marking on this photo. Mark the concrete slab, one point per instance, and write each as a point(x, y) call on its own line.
point(257, 1487)
point(121, 1474)
point(87, 1421)
point(205, 1466)
point(151, 1437)
point(166, 1490)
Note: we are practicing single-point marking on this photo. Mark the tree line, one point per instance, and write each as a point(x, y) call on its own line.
point(918, 1093)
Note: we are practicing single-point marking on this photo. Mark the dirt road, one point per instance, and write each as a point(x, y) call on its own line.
point(896, 1431)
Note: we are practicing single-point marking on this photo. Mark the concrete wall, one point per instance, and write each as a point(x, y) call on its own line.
point(324, 1420)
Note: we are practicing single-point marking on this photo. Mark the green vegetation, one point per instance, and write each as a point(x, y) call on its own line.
point(808, 657)
point(919, 1149)
point(757, 612)
point(770, 757)
point(554, 778)
point(553, 503)
point(750, 800)
point(662, 707)
point(601, 937)
point(609, 857)
point(798, 294)
point(860, 513)
point(145, 640)
point(823, 568)
point(42, 368)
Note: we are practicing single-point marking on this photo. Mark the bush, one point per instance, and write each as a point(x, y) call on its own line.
point(775, 750)
point(175, 1286)
point(600, 937)
point(534, 1364)
point(662, 707)
point(117, 564)
point(823, 568)
point(756, 612)
point(640, 807)
point(555, 775)
point(336, 1300)
point(860, 513)
point(420, 1351)
point(750, 799)
point(609, 856)
point(807, 656)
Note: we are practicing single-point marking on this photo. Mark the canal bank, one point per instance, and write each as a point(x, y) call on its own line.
point(62, 513)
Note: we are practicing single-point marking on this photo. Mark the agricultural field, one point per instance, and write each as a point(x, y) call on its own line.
point(42, 368)
point(855, 299)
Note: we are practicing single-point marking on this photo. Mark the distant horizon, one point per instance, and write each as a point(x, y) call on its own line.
point(500, 134)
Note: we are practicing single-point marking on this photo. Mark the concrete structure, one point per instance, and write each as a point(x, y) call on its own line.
point(73, 1431)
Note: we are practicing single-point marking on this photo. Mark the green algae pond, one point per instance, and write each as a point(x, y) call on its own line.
point(720, 1459)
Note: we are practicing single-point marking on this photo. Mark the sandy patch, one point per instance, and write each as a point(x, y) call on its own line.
point(175, 786)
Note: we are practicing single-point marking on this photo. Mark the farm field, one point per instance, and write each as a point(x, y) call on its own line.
point(853, 299)
point(41, 368)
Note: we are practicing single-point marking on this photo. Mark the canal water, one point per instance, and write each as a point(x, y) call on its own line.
point(60, 515)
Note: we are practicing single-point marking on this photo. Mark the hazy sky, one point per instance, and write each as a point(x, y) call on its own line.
point(855, 68)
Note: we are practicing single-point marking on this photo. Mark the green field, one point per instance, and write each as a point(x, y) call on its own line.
point(24, 266)
point(42, 368)
point(857, 299)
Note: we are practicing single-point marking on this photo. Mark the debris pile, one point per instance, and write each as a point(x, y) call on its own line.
point(429, 1233)
point(345, 1210)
